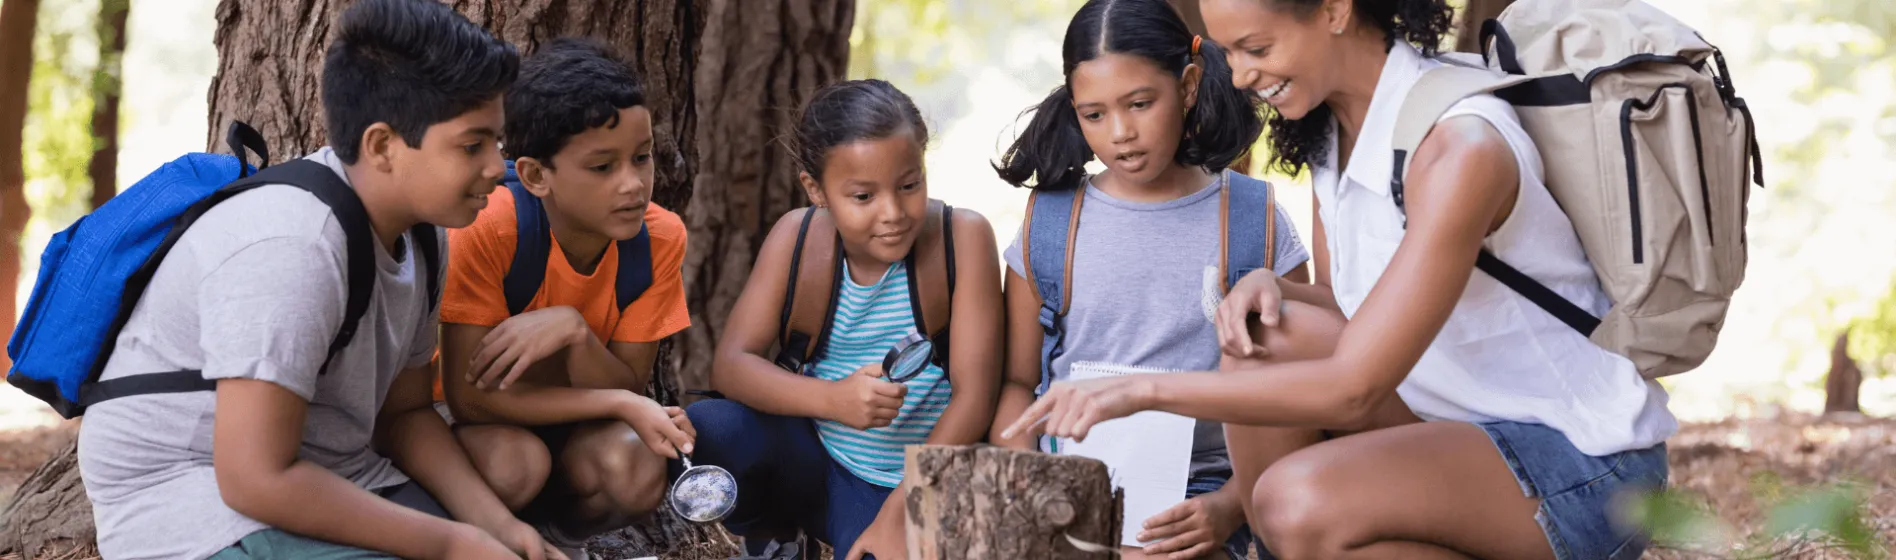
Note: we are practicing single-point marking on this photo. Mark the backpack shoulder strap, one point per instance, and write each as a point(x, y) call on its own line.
point(930, 264)
point(635, 268)
point(810, 291)
point(1433, 94)
point(1046, 248)
point(1247, 225)
point(532, 242)
point(321, 181)
point(428, 244)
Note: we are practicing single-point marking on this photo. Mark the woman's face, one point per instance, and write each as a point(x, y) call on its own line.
point(1285, 54)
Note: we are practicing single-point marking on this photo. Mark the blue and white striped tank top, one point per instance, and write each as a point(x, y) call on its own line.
point(870, 320)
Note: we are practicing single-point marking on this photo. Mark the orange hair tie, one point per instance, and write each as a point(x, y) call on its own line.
point(1196, 39)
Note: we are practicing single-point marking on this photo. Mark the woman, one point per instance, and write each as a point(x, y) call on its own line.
point(1531, 431)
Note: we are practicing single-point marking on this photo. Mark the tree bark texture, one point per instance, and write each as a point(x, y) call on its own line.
point(759, 60)
point(17, 20)
point(983, 502)
point(107, 85)
point(50, 515)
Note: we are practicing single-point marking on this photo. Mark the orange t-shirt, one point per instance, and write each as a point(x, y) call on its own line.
point(479, 255)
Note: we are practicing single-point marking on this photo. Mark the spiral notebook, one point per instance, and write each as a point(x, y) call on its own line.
point(1148, 453)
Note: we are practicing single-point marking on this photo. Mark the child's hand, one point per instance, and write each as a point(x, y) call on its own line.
point(525, 541)
point(1258, 293)
point(865, 400)
point(1194, 527)
point(665, 430)
point(508, 350)
point(887, 536)
point(472, 542)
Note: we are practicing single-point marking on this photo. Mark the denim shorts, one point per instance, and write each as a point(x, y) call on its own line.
point(1578, 492)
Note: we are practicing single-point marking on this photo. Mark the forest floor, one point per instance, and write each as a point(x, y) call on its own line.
point(1733, 467)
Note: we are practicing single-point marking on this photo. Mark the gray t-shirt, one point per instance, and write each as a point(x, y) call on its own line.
point(1146, 287)
point(254, 290)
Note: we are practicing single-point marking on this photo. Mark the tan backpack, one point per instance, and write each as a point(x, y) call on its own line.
point(1648, 149)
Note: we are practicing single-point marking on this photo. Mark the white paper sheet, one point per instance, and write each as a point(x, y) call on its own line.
point(1148, 453)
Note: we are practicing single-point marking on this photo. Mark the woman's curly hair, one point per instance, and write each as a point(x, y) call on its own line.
point(1300, 143)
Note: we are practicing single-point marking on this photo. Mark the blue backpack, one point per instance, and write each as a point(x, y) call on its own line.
point(1247, 226)
point(93, 273)
point(528, 270)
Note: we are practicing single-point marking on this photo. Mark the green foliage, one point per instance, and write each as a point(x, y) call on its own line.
point(1797, 520)
point(58, 135)
point(1873, 338)
point(919, 38)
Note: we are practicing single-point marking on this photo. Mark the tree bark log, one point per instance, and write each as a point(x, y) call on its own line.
point(17, 20)
point(1845, 379)
point(50, 514)
point(760, 59)
point(981, 502)
point(107, 86)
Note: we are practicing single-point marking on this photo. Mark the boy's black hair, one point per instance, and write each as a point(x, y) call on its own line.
point(411, 64)
point(569, 86)
point(1219, 129)
point(1302, 142)
point(850, 111)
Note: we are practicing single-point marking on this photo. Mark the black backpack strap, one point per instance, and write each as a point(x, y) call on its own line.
point(635, 268)
point(532, 242)
point(318, 179)
point(1538, 293)
point(810, 293)
point(428, 244)
point(948, 243)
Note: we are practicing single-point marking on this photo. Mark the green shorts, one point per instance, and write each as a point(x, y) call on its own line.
point(275, 543)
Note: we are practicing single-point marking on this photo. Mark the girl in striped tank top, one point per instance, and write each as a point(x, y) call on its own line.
point(818, 448)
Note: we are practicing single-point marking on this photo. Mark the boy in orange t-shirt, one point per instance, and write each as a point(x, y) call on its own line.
point(546, 393)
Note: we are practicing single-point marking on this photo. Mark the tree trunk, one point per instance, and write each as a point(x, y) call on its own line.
point(50, 515)
point(1468, 33)
point(700, 62)
point(980, 502)
point(1844, 380)
point(17, 19)
point(107, 84)
point(759, 61)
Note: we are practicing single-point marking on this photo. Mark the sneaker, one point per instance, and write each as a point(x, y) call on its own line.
point(574, 549)
point(796, 548)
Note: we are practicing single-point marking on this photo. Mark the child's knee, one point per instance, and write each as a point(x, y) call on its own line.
point(514, 462)
point(627, 473)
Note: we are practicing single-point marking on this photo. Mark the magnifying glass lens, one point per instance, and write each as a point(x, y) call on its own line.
point(907, 359)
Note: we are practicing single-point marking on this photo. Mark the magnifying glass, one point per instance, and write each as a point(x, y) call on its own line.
point(704, 493)
point(908, 358)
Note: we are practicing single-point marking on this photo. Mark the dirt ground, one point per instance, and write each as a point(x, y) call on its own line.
point(1719, 462)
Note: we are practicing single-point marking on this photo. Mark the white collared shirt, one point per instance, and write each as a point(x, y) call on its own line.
point(1499, 357)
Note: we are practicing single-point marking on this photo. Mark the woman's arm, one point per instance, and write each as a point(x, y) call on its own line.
point(1464, 177)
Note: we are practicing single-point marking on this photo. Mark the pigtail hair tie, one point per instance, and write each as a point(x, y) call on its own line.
point(1196, 39)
